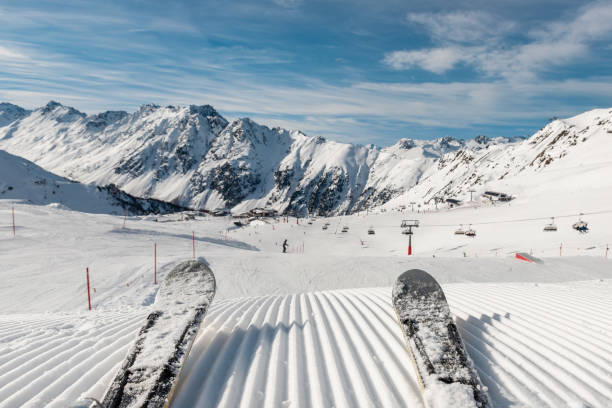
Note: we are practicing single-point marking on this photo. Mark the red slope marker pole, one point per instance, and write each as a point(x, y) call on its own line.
point(88, 290)
point(155, 263)
point(193, 242)
point(409, 244)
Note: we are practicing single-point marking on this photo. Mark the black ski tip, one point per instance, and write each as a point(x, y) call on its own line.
point(415, 274)
point(416, 282)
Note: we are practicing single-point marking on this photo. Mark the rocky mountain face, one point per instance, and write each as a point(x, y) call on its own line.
point(23, 180)
point(193, 157)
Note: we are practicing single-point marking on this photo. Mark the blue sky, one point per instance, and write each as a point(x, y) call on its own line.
point(364, 71)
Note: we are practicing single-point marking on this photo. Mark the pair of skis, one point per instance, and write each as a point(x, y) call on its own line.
point(148, 375)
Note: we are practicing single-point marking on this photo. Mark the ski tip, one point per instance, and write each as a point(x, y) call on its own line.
point(191, 267)
point(415, 275)
point(416, 282)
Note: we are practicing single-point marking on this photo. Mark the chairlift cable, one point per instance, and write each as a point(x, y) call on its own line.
point(521, 219)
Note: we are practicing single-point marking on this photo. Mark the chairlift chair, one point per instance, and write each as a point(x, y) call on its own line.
point(406, 231)
point(371, 231)
point(324, 226)
point(460, 231)
point(409, 223)
point(581, 226)
point(345, 228)
point(551, 226)
point(470, 232)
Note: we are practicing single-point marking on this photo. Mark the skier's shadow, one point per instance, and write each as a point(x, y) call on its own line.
point(473, 331)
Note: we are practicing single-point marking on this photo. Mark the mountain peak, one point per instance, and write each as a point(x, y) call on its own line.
point(204, 110)
point(10, 113)
point(147, 108)
point(405, 143)
point(61, 112)
point(481, 139)
point(9, 106)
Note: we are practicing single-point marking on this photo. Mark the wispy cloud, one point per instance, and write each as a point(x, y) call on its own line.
point(436, 60)
point(463, 26)
point(8, 54)
point(284, 64)
point(475, 38)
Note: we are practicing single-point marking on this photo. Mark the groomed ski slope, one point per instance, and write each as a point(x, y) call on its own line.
point(337, 348)
point(313, 327)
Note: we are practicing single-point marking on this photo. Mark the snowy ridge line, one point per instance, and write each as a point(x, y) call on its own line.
point(519, 219)
point(192, 156)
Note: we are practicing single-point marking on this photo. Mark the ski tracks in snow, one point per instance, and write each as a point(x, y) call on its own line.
point(536, 345)
point(55, 359)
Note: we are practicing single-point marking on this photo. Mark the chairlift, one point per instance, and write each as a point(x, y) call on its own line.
point(409, 223)
point(581, 226)
point(470, 232)
point(371, 231)
point(551, 226)
point(324, 227)
point(406, 231)
point(345, 228)
point(460, 230)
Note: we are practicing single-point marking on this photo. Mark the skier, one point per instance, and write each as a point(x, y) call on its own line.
point(285, 247)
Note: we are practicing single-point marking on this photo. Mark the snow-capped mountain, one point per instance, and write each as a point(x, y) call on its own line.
point(10, 113)
point(193, 157)
point(23, 180)
point(564, 157)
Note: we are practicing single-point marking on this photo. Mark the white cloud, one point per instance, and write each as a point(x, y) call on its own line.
point(462, 26)
point(552, 45)
point(31, 75)
point(10, 54)
point(436, 60)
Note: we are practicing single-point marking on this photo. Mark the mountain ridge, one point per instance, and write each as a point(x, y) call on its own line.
point(25, 181)
point(193, 157)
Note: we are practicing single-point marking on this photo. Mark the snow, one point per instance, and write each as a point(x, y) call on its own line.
point(311, 328)
point(315, 326)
